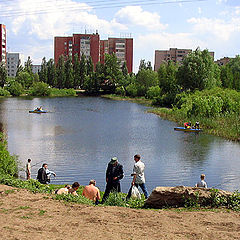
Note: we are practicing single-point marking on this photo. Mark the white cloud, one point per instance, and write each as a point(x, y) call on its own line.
point(217, 28)
point(136, 16)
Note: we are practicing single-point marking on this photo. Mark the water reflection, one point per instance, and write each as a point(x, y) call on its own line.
point(80, 135)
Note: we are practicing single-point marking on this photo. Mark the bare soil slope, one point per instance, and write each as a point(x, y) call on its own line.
point(24, 215)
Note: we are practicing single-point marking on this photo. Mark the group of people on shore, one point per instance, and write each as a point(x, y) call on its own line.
point(114, 174)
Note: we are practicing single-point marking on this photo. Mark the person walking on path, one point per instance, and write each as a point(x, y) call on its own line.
point(92, 192)
point(202, 183)
point(42, 175)
point(138, 176)
point(114, 174)
point(28, 169)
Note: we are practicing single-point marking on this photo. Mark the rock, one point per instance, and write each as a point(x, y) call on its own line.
point(176, 196)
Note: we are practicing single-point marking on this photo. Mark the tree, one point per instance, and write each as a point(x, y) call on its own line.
point(124, 69)
point(146, 79)
point(90, 67)
point(227, 76)
point(20, 68)
point(234, 65)
point(25, 78)
point(76, 71)
point(15, 88)
point(198, 71)
point(60, 72)
point(142, 65)
point(3, 74)
point(113, 74)
point(28, 66)
point(82, 70)
point(51, 73)
point(69, 82)
point(43, 72)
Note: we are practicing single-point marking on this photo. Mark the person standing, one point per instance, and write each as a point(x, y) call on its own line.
point(114, 174)
point(202, 183)
point(28, 169)
point(138, 176)
point(92, 192)
point(42, 175)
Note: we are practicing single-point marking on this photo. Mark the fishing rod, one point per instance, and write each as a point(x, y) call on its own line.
point(225, 182)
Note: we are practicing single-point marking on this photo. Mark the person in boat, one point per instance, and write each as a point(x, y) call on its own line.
point(197, 125)
point(187, 125)
point(202, 183)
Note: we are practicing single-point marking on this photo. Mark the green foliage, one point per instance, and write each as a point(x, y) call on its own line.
point(4, 92)
point(28, 66)
point(209, 103)
point(60, 72)
point(153, 92)
point(25, 79)
point(132, 90)
point(120, 91)
point(144, 80)
point(51, 73)
point(119, 199)
point(72, 198)
point(3, 74)
point(55, 92)
point(198, 71)
point(69, 81)
point(40, 89)
point(43, 74)
point(76, 71)
point(15, 88)
point(82, 69)
point(8, 163)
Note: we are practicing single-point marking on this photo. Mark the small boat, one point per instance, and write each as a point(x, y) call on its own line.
point(183, 129)
point(37, 111)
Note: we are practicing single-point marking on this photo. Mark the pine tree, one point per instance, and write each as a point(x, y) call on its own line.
point(3, 74)
point(51, 73)
point(60, 72)
point(69, 79)
point(43, 72)
point(83, 70)
point(76, 71)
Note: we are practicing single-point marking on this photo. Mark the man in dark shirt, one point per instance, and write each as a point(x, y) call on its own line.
point(114, 174)
point(42, 175)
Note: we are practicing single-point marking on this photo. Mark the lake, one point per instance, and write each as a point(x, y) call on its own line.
point(79, 135)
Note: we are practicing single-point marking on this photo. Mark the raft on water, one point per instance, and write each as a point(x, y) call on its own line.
point(183, 129)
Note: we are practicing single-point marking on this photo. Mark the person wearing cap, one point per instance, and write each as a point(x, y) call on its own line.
point(138, 176)
point(114, 174)
point(202, 183)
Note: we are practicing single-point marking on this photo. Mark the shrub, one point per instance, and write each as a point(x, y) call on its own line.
point(40, 89)
point(153, 92)
point(132, 90)
point(15, 88)
point(4, 92)
point(55, 92)
point(120, 91)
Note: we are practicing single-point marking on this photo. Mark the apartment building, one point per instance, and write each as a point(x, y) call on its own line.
point(36, 68)
point(13, 60)
point(223, 61)
point(122, 47)
point(87, 44)
point(3, 43)
point(173, 54)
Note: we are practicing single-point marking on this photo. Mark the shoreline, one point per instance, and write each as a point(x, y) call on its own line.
point(220, 127)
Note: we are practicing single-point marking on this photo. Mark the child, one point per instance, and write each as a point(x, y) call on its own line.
point(202, 183)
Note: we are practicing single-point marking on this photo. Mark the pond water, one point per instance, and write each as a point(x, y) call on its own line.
point(79, 135)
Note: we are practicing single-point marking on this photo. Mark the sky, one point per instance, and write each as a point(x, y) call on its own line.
point(153, 25)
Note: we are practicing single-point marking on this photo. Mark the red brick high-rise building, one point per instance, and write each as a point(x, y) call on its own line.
point(87, 44)
point(122, 47)
point(3, 45)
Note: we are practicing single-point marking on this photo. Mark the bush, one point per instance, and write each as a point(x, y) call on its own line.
point(4, 92)
point(40, 89)
point(153, 92)
point(8, 163)
point(15, 89)
point(55, 92)
point(132, 90)
point(120, 91)
point(25, 78)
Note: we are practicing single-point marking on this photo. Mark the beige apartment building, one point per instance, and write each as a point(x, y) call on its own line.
point(173, 54)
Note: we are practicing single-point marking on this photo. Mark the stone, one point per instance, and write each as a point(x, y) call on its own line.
point(176, 196)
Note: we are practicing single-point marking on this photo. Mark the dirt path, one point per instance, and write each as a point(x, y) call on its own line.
point(24, 215)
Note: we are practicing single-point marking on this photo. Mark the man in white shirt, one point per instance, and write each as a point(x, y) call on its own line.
point(202, 183)
point(138, 176)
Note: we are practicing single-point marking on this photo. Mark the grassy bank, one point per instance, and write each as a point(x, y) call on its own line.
point(227, 126)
